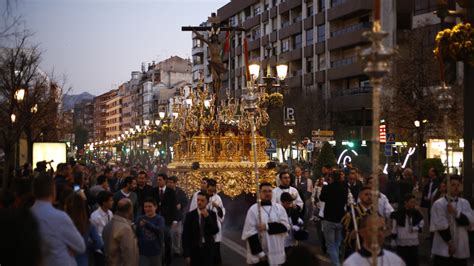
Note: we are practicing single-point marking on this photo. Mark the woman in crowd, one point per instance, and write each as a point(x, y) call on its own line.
point(75, 207)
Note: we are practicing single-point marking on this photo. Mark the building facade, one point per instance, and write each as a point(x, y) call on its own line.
point(113, 119)
point(318, 39)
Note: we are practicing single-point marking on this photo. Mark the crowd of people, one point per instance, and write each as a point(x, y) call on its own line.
point(135, 215)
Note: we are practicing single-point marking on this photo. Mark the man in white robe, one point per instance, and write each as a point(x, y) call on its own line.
point(285, 181)
point(451, 218)
point(363, 257)
point(265, 236)
point(385, 209)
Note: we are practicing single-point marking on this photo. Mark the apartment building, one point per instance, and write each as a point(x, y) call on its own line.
point(318, 39)
point(100, 115)
point(113, 115)
point(84, 118)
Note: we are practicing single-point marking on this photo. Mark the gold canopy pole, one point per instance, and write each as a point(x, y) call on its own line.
point(376, 60)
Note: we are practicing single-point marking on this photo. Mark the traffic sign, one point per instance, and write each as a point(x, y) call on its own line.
point(390, 138)
point(323, 133)
point(310, 147)
point(271, 145)
point(388, 150)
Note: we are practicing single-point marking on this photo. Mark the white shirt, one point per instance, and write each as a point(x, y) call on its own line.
point(293, 192)
point(384, 206)
point(193, 203)
point(442, 220)
point(388, 258)
point(272, 245)
point(99, 219)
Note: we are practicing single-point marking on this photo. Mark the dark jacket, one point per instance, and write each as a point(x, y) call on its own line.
point(302, 188)
point(61, 185)
point(426, 203)
point(192, 233)
point(182, 200)
point(334, 196)
point(166, 204)
point(142, 194)
point(355, 188)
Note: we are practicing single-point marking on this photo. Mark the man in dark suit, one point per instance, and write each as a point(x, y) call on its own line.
point(304, 185)
point(429, 189)
point(166, 200)
point(200, 226)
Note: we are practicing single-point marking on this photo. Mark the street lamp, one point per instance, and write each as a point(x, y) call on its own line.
point(20, 95)
point(34, 109)
point(161, 115)
point(147, 122)
point(13, 118)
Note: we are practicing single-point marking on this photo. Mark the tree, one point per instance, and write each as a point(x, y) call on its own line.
point(413, 87)
point(326, 157)
point(29, 101)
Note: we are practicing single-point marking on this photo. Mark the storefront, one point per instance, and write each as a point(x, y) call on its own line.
point(436, 148)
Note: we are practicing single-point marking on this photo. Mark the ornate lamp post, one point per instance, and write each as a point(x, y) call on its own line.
point(250, 100)
point(376, 59)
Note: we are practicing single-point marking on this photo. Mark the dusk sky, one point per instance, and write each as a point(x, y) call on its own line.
point(97, 43)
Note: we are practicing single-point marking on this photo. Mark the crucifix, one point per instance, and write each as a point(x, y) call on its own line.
point(214, 47)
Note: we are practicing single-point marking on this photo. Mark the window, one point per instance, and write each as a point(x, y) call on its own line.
point(256, 33)
point(285, 45)
point(274, 24)
point(309, 65)
point(197, 43)
point(321, 61)
point(257, 10)
point(297, 41)
point(309, 37)
point(337, 2)
point(309, 9)
point(247, 13)
point(321, 5)
point(274, 2)
point(321, 33)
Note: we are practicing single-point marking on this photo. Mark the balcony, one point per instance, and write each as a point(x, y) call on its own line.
point(251, 22)
point(349, 36)
point(351, 102)
point(293, 82)
point(320, 76)
point(345, 8)
point(290, 30)
point(308, 23)
point(308, 79)
point(291, 55)
point(320, 47)
point(320, 18)
point(345, 68)
point(198, 50)
point(353, 91)
point(197, 67)
point(288, 4)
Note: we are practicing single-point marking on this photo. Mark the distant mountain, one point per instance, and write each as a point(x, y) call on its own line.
point(70, 100)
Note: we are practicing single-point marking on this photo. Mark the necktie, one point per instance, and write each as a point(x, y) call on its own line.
point(161, 194)
point(201, 228)
point(298, 182)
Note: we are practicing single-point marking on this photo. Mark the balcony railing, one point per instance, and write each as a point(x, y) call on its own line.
point(353, 91)
point(362, 25)
point(337, 2)
point(344, 62)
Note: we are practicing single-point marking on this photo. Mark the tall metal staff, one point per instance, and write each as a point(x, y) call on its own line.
point(351, 202)
point(376, 59)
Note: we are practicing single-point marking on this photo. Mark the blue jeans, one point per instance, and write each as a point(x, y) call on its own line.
point(333, 235)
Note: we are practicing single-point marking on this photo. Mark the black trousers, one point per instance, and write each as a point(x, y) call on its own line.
point(445, 261)
point(409, 254)
point(321, 238)
point(168, 256)
point(217, 253)
point(203, 256)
